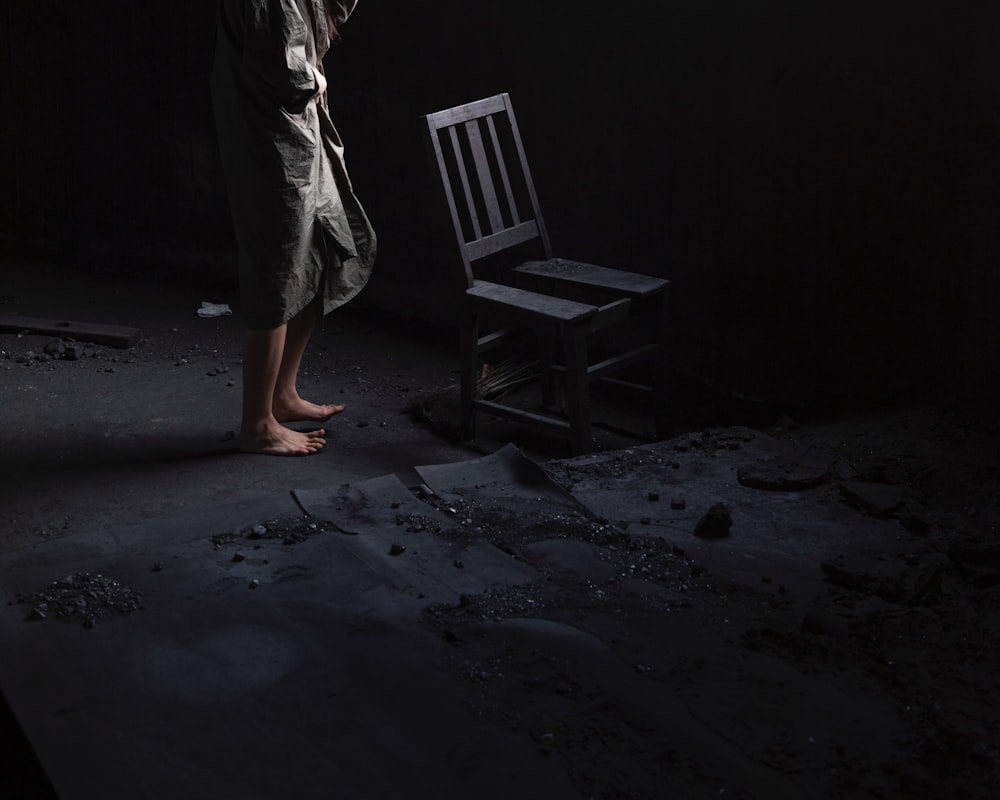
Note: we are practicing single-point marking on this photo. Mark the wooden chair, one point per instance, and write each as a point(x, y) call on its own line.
point(574, 309)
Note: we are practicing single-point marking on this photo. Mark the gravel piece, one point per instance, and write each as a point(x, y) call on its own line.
point(716, 522)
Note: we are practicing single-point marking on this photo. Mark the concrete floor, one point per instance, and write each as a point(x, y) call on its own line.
point(537, 626)
point(122, 452)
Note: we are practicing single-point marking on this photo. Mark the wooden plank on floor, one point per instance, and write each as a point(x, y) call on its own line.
point(95, 332)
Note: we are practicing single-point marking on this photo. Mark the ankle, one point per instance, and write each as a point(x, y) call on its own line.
point(259, 425)
point(284, 399)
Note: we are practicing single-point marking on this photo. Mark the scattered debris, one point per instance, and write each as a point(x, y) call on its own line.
point(289, 529)
point(98, 333)
point(979, 565)
point(572, 552)
point(887, 587)
point(418, 523)
point(785, 475)
point(209, 310)
point(823, 621)
point(715, 523)
point(441, 408)
point(875, 499)
point(83, 597)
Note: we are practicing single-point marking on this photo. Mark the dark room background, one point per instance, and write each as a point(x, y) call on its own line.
point(820, 180)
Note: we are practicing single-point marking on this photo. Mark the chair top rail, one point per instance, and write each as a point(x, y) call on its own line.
point(466, 112)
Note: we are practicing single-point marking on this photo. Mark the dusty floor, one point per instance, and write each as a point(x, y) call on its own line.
point(835, 636)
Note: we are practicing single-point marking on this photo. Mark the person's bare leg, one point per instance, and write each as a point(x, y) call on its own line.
point(260, 430)
point(286, 403)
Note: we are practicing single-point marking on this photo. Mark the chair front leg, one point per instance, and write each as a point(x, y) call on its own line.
point(546, 360)
point(577, 387)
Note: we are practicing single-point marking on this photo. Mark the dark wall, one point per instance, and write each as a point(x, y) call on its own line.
point(820, 180)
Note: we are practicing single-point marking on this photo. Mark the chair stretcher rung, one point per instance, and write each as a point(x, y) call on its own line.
point(609, 365)
point(537, 420)
point(621, 360)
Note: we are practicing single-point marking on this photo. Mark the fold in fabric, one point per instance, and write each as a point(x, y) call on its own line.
point(300, 229)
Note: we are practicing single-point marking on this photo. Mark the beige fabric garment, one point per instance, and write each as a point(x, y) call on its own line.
point(340, 10)
point(299, 227)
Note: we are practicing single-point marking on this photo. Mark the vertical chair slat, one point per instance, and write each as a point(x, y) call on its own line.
point(464, 176)
point(485, 177)
point(502, 166)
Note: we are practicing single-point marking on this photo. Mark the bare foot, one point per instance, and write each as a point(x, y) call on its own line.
point(276, 440)
point(298, 410)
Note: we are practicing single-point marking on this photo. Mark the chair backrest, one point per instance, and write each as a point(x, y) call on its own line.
point(486, 180)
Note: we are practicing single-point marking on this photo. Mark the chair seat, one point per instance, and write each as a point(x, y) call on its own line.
point(530, 304)
point(579, 273)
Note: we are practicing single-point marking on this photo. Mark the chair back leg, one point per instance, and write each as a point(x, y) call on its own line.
point(469, 367)
point(663, 369)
